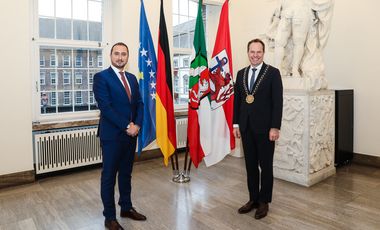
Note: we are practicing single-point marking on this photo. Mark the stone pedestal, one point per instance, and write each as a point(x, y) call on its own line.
point(304, 153)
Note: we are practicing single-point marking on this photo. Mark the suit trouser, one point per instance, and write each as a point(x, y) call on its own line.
point(258, 152)
point(118, 157)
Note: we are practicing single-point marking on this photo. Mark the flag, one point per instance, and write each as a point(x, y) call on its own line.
point(166, 130)
point(198, 129)
point(147, 82)
point(222, 94)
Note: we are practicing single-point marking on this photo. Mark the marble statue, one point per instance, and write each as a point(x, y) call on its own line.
point(299, 31)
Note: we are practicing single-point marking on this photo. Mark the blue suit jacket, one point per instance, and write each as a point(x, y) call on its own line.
point(116, 110)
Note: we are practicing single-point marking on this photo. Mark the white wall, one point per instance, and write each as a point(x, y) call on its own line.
point(15, 88)
point(351, 62)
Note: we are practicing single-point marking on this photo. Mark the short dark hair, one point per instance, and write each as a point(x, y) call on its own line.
point(256, 40)
point(120, 44)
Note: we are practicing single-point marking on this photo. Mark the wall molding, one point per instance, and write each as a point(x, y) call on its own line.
point(366, 160)
point(18, 178)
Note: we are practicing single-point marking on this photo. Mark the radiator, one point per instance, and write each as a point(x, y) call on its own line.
point(60, 149)
point(181, 129)
point(66, 148)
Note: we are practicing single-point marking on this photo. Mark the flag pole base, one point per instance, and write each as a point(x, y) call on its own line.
point(181, 177)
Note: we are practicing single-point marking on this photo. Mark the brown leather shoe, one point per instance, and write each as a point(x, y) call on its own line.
point(133, 214)
point(262, 211)
point(248, 207)
point(112, 225)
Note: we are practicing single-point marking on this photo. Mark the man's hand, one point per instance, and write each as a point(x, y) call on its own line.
point(236, 132)
point(133, 129)
point(274, 134)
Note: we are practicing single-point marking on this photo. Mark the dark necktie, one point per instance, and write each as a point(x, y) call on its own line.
point(124, 79)
point(252, 80)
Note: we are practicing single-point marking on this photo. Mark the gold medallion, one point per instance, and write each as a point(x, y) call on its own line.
point(249, 98)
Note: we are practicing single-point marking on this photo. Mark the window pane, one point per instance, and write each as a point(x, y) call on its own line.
point(95, 30)
point(46, 28)
point(81, 100)
point(193, 9)
point(175, 7)
point(176, 41)
point(69, 81)
point(175, 20)
point(183, 7)
point(94, 55)
point(64, 58)
point(46, 8)
point(65, 102)
point(80, 9)
point(184, 41)
point(63, 28)
point(183, 19)
point(63, 8)
point(81, 80)
point(94, 11)
point(80, 30)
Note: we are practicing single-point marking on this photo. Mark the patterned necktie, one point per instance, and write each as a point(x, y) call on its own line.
point(252, 80)
point(123, 78)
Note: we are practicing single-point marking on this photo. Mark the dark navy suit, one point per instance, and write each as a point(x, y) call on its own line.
point(118, 148)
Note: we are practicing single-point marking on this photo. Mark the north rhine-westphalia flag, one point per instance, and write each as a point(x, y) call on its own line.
point(165, 123)
point(199, 113)
point(147, 82)
point(221, 94)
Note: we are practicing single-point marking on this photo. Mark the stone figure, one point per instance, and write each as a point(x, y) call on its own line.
point(299, 31)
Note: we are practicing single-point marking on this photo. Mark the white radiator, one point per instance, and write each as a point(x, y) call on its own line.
point(181, 129)
point(74, 147)
point(64, 149)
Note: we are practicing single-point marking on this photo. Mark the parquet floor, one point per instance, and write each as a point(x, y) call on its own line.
point(348, 200)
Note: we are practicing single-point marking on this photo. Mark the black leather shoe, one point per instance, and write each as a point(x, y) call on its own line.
point(248, 207)
point(112, 225)
point(262, 211)
point(133, 214)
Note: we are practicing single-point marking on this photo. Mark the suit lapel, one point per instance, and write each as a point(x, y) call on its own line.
point(116, 81)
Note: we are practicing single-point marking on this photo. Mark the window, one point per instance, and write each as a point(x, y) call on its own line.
point(42, 61)
point(91, 98)
point(69, 45)
point(91, 79)
point(100, 61)
point(53, 100)
point(184, 18)
point(53, 78)
point(78, 98)
point(66, 78)
point(52, 60)
point(180, 85)
point(66, 98)
point(78, 78)
point(42, 78)
point(91, 62)
point(78, 61)
point(66, 61)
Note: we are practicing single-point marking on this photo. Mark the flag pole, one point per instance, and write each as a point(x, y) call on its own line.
point(176, 173)
point(182, 176)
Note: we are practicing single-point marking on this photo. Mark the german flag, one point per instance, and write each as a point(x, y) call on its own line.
point(165, 123)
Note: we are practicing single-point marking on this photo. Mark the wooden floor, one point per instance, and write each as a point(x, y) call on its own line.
point(348, 200)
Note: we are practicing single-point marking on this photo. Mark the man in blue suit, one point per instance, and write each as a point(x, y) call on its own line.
point(121, 114)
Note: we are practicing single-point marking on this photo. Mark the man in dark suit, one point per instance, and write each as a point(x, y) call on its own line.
point(121, 114)
point(257, 119)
